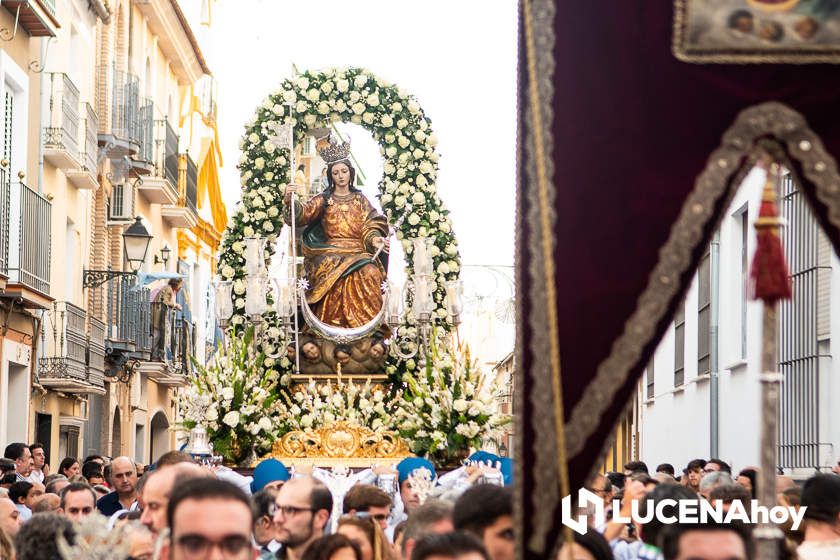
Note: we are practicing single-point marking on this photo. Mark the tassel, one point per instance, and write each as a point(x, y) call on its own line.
point(769, 274)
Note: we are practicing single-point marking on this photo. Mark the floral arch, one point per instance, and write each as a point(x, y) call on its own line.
point(407, 191)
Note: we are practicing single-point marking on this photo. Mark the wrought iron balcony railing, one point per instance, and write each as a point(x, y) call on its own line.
point(29, 238)
point(89, 146)
point(96, 351)
point(146, 137)
point(129, 316)
point(188, 185)
point(61, 135)
point(66, 366)
point(166, 160)
point(124, 104)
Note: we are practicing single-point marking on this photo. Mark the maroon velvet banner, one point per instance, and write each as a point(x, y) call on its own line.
point(643, 154)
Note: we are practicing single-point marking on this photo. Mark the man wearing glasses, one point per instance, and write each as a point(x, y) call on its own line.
point(208, 519)
point(301, 512)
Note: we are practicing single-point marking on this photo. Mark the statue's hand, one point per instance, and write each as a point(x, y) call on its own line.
point(382, 243)
point(293, 188)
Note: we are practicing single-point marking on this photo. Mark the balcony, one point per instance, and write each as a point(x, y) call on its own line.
point(36, 17)
point(143, 163)
point(123, 136)
point(67, 368)
point(184, 214)
point(4, 225)
point(131, 334)
point(61, 136)
point(96, 352)
point(161, 186)
point(27, 244)
point(85, 177)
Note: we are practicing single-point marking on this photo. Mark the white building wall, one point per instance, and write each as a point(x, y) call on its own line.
point(675, 423)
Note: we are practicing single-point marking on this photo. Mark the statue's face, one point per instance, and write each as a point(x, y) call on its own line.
point(340, 175)
point(377, 350)
point(311, 351)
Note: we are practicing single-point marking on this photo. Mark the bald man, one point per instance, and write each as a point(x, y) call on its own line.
point(124, 496)
point(157, 489)
point(10, 521)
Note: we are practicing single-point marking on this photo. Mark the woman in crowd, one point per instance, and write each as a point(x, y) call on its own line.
point(366, 532)
point(332, 547)
point(69, 467)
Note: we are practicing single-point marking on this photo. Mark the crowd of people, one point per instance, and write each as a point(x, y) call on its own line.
point(817, 538)
point(180, 509)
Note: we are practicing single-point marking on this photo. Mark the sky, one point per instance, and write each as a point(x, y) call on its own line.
point(457, 58)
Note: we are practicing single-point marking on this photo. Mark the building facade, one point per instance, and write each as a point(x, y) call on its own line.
point(700, 395)
point(97, 114)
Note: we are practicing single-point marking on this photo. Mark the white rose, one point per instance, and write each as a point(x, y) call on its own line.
point(268, 226)
point(259, 163)
point(306, 421)
point(403, 158)
point(227, 271)
point(388, 168)
point(300, 106)
point(327, 87)
point(445, 227)
point(313, 95)
point(421, 181)
point(418, 198)
point(309, 120)
point(396, 107)
point(360, 81)
point(342, 85)
point(399, 202)
point(265, 423)
point(426, 167)
point(431, 140)
point(238, 289)
point(386, 198)
point(289, 96)
point(253, 138)
point(418, 153)
point(451, 250)
point(402, 123)
point(231, 419)
point(323, 108)
point(212, 414)
point(400, 173)
point(423, 232)
point(413, 106)
point(414, 219)
point(419, 135)
point(277, 109)
point(358, 108)
point(248, 231)
point(391, 151)
point(302, 82)
point(387, 121)
point(273, 212)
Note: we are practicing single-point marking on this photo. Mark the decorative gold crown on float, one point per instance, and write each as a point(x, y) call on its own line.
point(331, 150)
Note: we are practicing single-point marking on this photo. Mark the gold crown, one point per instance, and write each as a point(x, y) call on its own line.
point(332, 151)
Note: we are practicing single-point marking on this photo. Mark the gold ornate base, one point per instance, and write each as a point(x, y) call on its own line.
point(342, 444)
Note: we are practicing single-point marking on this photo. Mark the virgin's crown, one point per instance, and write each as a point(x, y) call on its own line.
point(332, 150)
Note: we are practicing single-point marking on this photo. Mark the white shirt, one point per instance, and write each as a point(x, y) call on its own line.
point(35, 476)
point(819, 550)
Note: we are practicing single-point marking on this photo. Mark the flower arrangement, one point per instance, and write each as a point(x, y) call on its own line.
point(235, 397)
point(407, 189)
point(449, 407)
point(312, 406)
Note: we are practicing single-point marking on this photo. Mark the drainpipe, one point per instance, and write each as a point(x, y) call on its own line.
point(43, 116)
point(714, 388)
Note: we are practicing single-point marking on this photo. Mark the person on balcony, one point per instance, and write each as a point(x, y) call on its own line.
point(162, 306)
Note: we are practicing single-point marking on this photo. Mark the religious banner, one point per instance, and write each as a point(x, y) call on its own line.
point(628, 157)
point(757, 30)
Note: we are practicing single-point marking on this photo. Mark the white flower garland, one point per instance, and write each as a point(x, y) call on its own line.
point(407, 143)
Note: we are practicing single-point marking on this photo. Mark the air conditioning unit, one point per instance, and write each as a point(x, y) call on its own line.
point(121, 204)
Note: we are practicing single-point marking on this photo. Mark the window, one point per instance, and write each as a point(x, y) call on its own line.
point(704, 310)
point(650, 378)
point(679, 345)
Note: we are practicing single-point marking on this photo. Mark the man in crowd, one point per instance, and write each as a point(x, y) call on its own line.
point(635, 467)
point(46, 504)
point(698, 541)
point(712, 480)
point(302, 511)
point(40, 468)
point(92, 471)
point(78, 500)
point(55, 483)
point(432, 518)
point(406, 469)
point(157, 489)
point(10, 521)
point(124, 480)
point(715, 465)
point(262, 504)
point(821, 498)
point(366, 498)
point(20, 454)
point(486, 511)
point(208, 518)
point(694, 472)
point(665, 468)
point(449, 546)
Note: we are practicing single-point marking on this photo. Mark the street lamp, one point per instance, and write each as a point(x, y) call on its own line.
point(164, 256)
point(136, 240)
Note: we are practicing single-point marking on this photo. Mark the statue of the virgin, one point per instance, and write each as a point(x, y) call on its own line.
point(344, 244)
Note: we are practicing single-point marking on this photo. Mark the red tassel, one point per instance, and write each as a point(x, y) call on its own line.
point(769, 274)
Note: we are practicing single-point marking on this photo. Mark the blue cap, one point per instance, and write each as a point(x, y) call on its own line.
point(410, 464)
point(507, 470)
point(267, 471)
point(483, 457)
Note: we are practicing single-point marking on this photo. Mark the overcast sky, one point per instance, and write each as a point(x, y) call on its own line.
point(457, 57)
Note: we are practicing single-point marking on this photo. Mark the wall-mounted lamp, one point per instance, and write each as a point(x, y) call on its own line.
point(164, 256)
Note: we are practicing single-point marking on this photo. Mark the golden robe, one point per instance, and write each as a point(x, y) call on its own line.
point(345, 284)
